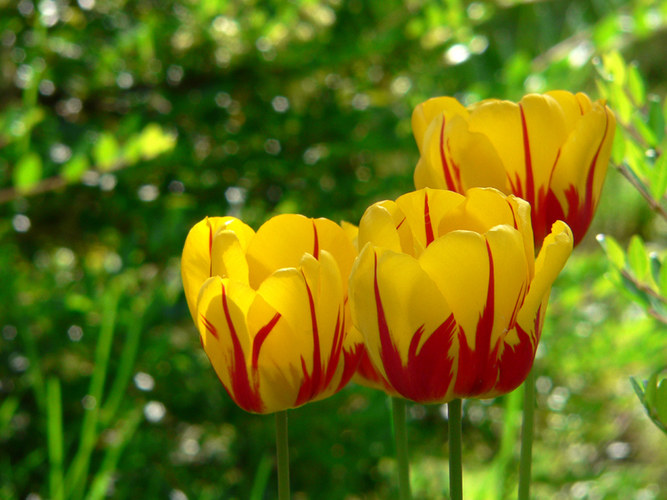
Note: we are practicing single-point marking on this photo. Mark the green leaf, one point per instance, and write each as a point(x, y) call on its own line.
point(662, 280)
point(651, 390)
point(105, 151)
point(27, 172)
point(658, 184)
point(661, 401)
point(636, 85)
point(656, 118)
point(75, 168)
point(155, 141)
point(614, 252)
point(638, 259)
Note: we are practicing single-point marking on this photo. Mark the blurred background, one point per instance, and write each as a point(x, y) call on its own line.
point(123, 123)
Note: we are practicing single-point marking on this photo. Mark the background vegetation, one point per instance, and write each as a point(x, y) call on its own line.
point(122, 123)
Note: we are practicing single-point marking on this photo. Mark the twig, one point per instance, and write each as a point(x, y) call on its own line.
point(655, 206)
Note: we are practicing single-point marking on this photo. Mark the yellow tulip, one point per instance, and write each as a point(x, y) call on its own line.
point(551, 150)
point(271, 308)
point(448, 294)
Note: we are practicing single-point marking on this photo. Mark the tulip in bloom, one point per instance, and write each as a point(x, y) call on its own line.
point(551, 150)
point(448, 294)
point(271, 308)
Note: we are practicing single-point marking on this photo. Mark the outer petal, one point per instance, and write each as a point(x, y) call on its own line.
point(228, 259)
point(279, 243)
point(400, 312)
point(423, 211)
point(379, 226)
point(196, 258)
point(581, 169)
point(222, 308)
point(555, 251)
point(482, 209)
point(426, 112)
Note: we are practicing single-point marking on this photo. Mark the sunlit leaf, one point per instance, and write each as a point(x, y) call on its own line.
point(636, 85)
point(75, 168)
point(105, 151)
point(614, 251)
point(637, 258)
point(27, 172)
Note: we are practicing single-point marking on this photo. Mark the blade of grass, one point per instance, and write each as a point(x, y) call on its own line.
point(128, 357)
point(508, 440)
point(100, 484)
point(75, 479)
point(35, 368)
point(261, 478)
point(7, 410)
point(54, 432)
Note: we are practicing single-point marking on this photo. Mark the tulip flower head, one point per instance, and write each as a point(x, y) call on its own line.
point(551, 150)
point(448, 294)
point(271, 307)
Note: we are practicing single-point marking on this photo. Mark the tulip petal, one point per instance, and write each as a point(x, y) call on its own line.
point(482, 209)
point(555, 251)
point(378, 225)
point(474, 158)
point(279, 243)
point(581, 169)
point(226, 341)
point(196, 258)
point(399, 309)
point(424, 114)
point(423, 210)
point(228, 258)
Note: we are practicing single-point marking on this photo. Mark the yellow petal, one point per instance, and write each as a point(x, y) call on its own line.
point(378, 226)
point(423, 211)
point(228, 259)
point(196, 258)
point(398, 288)
point(585, 152)
point(352, 233)
point(475, 157)
point(482, 209)
point(458, 263)
point(279, 243)
point(333, 239)
point(226, 341)
point(511, 277)
point(426, 112)
point(555, 251)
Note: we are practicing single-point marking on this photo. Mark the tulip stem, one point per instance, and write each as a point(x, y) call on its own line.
point(282, 454)
point(398, 411)
point(527, 436)
point(455, 467)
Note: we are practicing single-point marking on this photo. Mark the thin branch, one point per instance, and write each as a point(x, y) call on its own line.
point(655, 205)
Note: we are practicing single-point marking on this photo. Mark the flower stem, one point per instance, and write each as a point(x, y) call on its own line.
point(527, 436)
point(398, 412)
point(455, 468)
point(282, 454)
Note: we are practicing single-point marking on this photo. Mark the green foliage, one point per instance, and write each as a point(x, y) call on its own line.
point(653, 395)
point(122, 124)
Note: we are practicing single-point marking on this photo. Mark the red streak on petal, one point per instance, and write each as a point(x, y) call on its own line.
point(443, 159)
point(246, 395)
point(316, 244)
point(261, 337)
point(400, 223)
point(427, 221)
point(210, 327)
point(516, 361)
point(311, 381)
point(478, 368)
point(529, 195)
point(428, 374)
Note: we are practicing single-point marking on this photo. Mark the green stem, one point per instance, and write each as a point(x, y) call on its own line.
point(398, 412)
point(527, 436)
point(282, 453)
point(455, 468)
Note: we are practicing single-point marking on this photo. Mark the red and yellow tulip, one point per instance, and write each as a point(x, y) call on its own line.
point(271, 308)
point(551, 150)
point(448, 294)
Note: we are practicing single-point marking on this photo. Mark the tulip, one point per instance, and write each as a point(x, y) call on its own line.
point(271, 308)
point(551, 150)
point(448, 294)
